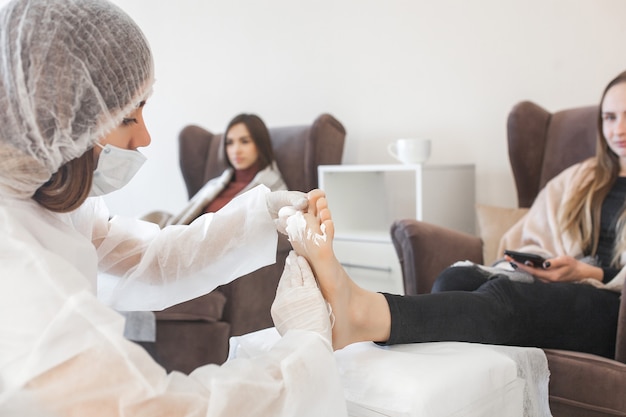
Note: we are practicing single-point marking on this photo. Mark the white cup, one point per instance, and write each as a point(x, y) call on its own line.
point(410, 151)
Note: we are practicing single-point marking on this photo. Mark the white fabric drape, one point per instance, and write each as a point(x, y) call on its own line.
point(440, 379)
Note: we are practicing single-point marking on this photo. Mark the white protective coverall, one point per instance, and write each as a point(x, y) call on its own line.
point(62, 351)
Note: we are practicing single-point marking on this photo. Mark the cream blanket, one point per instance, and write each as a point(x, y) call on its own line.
point(269, 176)
point(538, 230)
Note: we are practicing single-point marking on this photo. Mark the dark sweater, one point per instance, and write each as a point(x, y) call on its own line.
point(611, 209)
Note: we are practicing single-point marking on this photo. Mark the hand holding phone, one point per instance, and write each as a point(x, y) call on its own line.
point(523, 257)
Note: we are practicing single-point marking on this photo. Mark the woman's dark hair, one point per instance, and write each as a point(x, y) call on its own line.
point(69, 187)
point(260, 135)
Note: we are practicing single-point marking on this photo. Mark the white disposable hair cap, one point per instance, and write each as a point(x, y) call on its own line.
point(70, 71)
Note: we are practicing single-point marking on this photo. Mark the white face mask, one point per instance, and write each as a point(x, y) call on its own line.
point(116, 167)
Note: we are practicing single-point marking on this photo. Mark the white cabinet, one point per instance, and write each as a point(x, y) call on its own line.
point(366, 199)
point(373, 265)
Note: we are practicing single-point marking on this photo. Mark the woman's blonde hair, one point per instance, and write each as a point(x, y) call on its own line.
point(580, 216)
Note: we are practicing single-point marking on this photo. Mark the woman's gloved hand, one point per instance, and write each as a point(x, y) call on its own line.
point(299, 304)
point(292, 200)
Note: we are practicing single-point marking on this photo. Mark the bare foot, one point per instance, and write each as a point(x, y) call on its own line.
point(360, 315)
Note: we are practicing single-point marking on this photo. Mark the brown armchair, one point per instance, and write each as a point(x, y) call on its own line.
point(197, 332)
point(541, 144)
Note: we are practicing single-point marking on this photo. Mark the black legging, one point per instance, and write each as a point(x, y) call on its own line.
point(469, 306)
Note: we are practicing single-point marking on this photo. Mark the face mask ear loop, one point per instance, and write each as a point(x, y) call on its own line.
point(101, 146)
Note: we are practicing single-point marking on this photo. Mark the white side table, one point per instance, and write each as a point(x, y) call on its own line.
point(366, 199)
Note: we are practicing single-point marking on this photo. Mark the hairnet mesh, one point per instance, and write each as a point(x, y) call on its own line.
point(70, 71)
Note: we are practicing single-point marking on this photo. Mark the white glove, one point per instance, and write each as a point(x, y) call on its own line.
point(293, 200)
point(299, 304)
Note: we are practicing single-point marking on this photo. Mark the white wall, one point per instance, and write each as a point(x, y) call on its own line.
point(449, 70)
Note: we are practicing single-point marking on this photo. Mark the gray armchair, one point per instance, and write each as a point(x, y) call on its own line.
point(197, 332)
point(541, 144)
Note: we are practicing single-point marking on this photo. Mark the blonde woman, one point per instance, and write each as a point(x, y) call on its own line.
point(570, 301)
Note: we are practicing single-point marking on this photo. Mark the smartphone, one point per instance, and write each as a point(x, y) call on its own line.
point(523, 257)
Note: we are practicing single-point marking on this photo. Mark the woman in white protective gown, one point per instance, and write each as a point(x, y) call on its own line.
point(74, 77)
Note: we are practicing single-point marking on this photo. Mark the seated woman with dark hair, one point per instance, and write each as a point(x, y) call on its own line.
point(247, 150)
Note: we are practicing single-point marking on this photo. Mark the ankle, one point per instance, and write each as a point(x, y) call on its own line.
point(370, 316)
